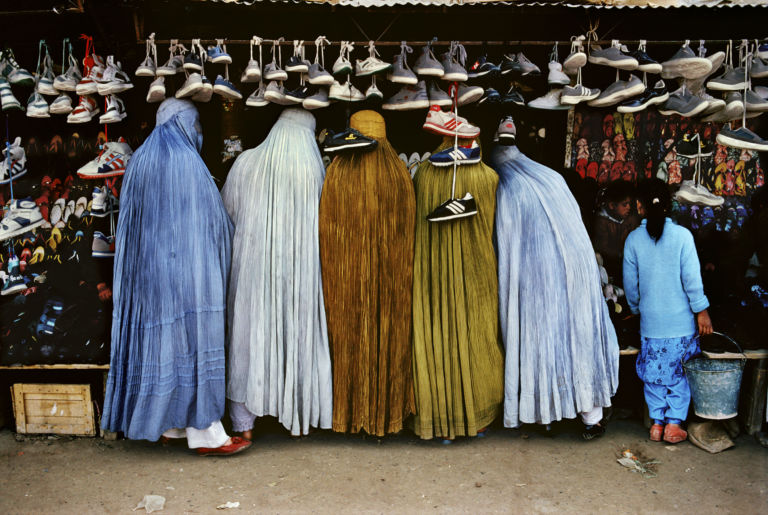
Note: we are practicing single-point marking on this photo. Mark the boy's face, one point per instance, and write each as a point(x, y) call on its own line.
point(620, 209)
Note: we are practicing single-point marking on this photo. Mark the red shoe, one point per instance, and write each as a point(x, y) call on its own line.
point(673, 433)
point(238, 444)
point(656, 431)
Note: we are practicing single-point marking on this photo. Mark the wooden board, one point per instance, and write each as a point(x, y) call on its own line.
point(629, 351)
point(62, 409)
point(749, 354)
point(55, 367)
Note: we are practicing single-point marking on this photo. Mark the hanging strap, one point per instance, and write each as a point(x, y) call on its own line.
point(64, 55)
point(320, 43)
point(458, 52)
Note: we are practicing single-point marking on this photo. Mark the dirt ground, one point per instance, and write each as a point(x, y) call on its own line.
point(521, 471)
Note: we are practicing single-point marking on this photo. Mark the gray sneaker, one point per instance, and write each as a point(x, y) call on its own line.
point(437, 96)
point(686, 64)
point(572, 95)
point(318, 76)
point(527, 67)
point(409, 97)
point(741, 138)
point(452, 62)
point(733, 109)
point(697, 85)
point(612, 56)
point(318, 100)
point(550, 101)
point(275, 93)
point(713, 104)
point(577, 58)
point(401, 73)
point(427, 65)
point(682, 102)
point(762, 91)
point(759, 68)
point(507, 132)
point(469, 94)
point(273, 72)
point(731, 80)
point(256, 99)
point(755, 102)
point(618, 91)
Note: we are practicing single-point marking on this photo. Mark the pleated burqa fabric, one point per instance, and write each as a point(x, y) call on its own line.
point(366, 247)
point(172, 258)
point(279, 362)
point(458, 362)
point(562, 357)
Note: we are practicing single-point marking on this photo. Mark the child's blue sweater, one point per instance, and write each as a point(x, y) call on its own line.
point(662, 281)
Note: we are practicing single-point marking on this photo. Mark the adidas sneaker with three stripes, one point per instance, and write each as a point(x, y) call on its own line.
point(460, 155)
point(448, 124)
point(454, 208)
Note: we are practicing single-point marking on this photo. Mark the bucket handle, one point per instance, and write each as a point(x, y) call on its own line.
point(743, 356)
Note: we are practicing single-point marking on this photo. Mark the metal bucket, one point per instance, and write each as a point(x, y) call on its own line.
point(715, 384)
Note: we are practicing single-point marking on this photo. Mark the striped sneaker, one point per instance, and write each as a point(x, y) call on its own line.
point(111, 162)
point(454, 208)
point(459, 155)
point(13, 168)
point(448, 124)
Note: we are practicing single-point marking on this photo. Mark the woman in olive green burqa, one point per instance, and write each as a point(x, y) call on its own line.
point(458, 361)
point(367, 213)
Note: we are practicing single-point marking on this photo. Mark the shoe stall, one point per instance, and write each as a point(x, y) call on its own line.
point(598, 93)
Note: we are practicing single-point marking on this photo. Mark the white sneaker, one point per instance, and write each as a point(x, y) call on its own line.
point(37, 107)
point(61, 105)
point(205, 93)
point(374, 93)
point(556, 76)
point(370, 66)
point(192, 85)
point(342, 66)
point(577, 58)
point(89, 84)
point(448, 124)
point(68, 80)
point(157, 90)
point(114, 79)
point(697, 194)
point(252, 72)
point(550, 101)
point(273, 73)
point(256, 99)
point(345, 93)
point(84, 112)
point(146, 68)
point(111, 162)
point(115, 110)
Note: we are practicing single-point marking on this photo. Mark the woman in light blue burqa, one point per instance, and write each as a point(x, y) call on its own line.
point(172, 259)
point(562, 356)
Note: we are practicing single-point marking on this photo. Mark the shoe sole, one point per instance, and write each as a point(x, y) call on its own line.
point(429, 72)
point(222, 59)
point(693, 198)
point(626, 64)
point(368, 73)
point(236, 451)
point(253, 103)
point(315, 105)
point(653, 101)
point(90, 90)
point(298, 100)
point(688, 68)
point(445, 102)
point(407, 106)
point(45, 114)
point(437, 129)
point(82, 120)
point(348, 146)
point(296, 69)
point(16, 176)
point(574, 62)
point(618, 96)
point(190, 67)
point(145, 72)
point(278, 77)
point(61, 111)
point(101, 254)
point(114, 119)
point(579, 99)
point(410, 81)
point(326, 81)
point(119, 88)
point(113, 173)
point(15, 289)
point(698, 109)
point(453, 217)
point(472, 161)
point(714, 106)
point(558, 82)
point(470, 98)
point(724, 139)
point(188, 92)
point(650, 68)
point(343, 71)
point(22, 230)
point(717, 86)
point(455, 77)
point(227, 93)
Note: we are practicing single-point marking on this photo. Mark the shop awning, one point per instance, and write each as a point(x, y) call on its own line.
point(597, 4)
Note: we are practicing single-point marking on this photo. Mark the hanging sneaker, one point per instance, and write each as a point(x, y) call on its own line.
point(409, 97)
point(550, 101)
point(61, 105)
point(656, 95)
point(577, 58)
point(114, 80)
point(226, 89)
point(427, 64)
point(174, 65)
point(12, 72)
point(731, 80)
point(297, 96)
point(346, 92)
point(513, 96)
point(146, 68)
point(275, 93)
point(372, 65)
point(734, 104)
point(318, 100)
point(218, 54)
point(319, 76)
point(453, 209)
point(612, 56)
point(23, 216)
point(469, 94)
point(9, 102)
point(692, 147)
point(752, 101)
point(400, 73)
point(86, 109)
point(15, 282)
point(573, 95)
point(741, 138)
point(509, 65)
point(156, 91)
point(453, 64)
point(37, 107)
point(115, 110)
point(205, 93)
point(191, 86)
point(448, 124)
point(373, 93)
point(506, 134)
point(193, 62)
point(682, 102)
point(342, 66)
point(350, 139)
point(103, 202)
point(45, 81)
point(460, 155)
point(15, 167)
point(111, 161)
point(685, 63)
point(256, 99)
point(717, 59)
point(482, 67)
point(252, 72)
point(437, 96)
point(645, 63)
point(68, 80)
point(93, 67)
point(273, 73)
point(103, 245)
point(296, 62)
point(713, 104)
point(556, 77)
point(758, 69)
point(693, 193)
point(490, 97)
point(526, 66)
point(619, 91)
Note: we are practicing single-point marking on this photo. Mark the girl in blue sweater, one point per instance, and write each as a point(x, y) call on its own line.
point(662, 282)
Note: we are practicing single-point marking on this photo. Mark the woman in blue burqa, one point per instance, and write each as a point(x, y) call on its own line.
point(562, 356)
point(172, 258)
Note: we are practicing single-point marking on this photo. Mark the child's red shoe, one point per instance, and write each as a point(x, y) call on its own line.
point(238, 444)
point(673, 433)
point(656, 431)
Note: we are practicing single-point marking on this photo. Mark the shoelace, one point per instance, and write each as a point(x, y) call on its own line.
point(458, 52)
point(276, 50)
point(372, 52)
point(198, 47)
point(576, 44)
point(429, 48)
point(702, 49)
point(298, 48)
point(553, 56)
point(65, 45)
point(404, 51)
point(592, 38)
point(320, 43)
point(256, 41)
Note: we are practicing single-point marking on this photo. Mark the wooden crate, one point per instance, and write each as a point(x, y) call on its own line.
point(62, 409)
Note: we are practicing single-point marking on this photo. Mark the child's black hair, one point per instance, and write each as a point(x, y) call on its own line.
point(655, 197)
point(618, 191)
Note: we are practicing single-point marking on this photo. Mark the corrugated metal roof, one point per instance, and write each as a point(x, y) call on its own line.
point(597, 4)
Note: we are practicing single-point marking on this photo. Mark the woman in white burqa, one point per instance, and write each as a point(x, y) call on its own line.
point(278, 361)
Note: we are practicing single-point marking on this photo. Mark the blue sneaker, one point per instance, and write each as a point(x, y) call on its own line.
point(192, 62)
point(217, 54)
point(226, 89)
point(483, 68)
point(459, 155)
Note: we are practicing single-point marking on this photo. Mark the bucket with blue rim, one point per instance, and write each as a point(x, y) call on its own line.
point(715, 383)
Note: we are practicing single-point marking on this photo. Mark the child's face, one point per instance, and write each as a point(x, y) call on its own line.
point(620, 209)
